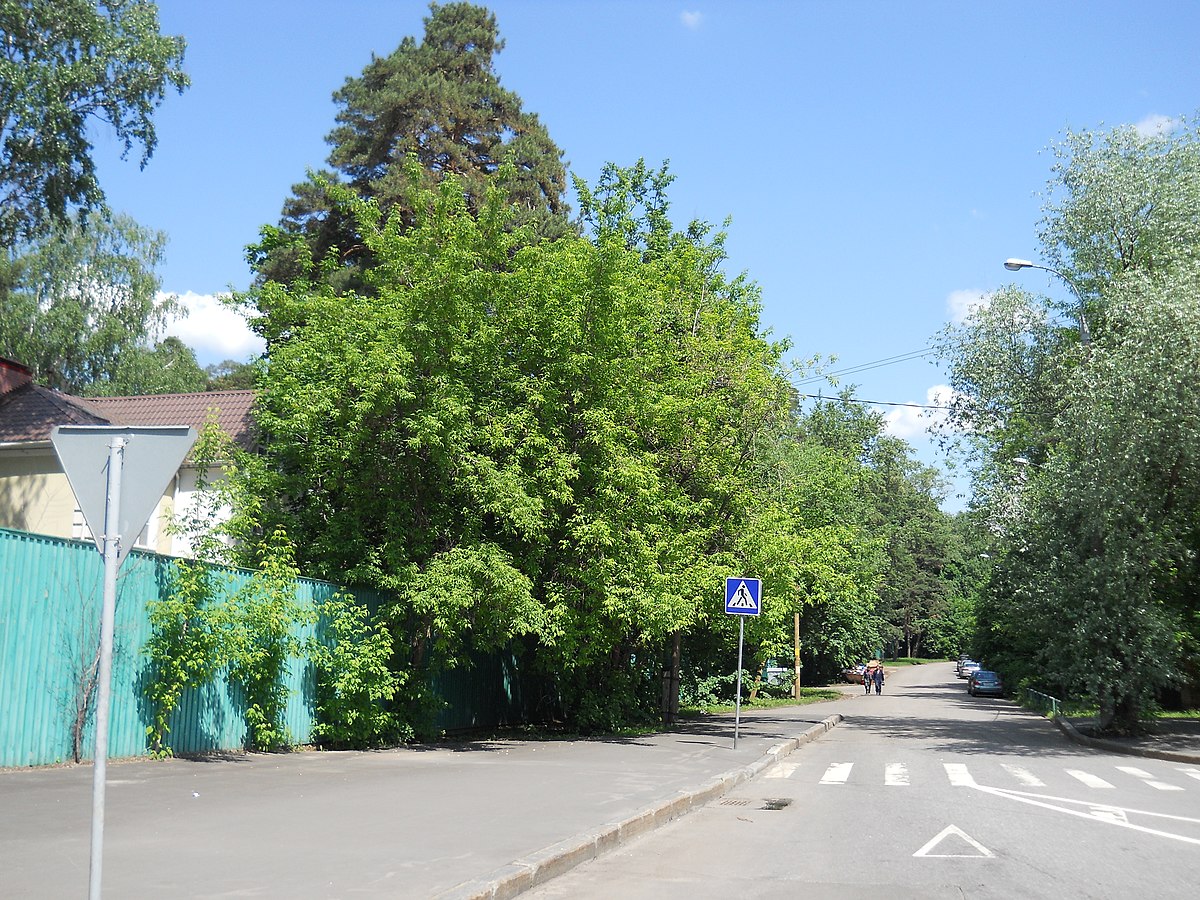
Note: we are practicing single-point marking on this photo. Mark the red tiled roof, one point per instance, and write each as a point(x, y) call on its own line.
point(231, 408)
point(30, 412)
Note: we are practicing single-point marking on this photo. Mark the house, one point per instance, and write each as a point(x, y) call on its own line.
point(34, 493)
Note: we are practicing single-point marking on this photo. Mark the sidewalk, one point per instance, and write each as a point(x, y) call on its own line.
point(483, 819)
point(1175, 740)
point(473, 820)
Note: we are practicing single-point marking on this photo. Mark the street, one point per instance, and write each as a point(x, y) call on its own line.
point(925, 792)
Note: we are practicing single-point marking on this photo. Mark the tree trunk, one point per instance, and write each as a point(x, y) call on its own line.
point(670, 677)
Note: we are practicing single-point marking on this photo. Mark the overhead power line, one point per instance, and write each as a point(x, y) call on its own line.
point(836, 399)
point(866, 367)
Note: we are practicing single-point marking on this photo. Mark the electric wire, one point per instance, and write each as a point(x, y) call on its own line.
point(867, 366)
point(836, 399)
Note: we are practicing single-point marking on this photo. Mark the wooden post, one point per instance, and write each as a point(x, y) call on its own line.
point(796, 682)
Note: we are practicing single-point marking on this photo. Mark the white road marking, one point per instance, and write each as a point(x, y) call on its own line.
point(1023, 775)
point(895, 775)
point(1110, 815)
point(958, 775)
point(958, 832)
point(1148, 778)
point(1088, 779)
point(837, 773)
point(1191, 773)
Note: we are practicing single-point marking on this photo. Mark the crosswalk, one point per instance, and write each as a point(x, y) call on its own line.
point(898, 774)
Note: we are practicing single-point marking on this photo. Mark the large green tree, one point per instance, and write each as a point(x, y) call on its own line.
point(1087, 452)
point(439, 101)
point(564, 444)
point(79, 305)
point(64, 66)
point(169, 367)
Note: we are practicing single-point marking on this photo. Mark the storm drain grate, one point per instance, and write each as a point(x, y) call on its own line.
point(735, 802)
point(777, 804)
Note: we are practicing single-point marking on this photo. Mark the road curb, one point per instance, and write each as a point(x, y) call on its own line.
point(1065, 726)
point(539, 867)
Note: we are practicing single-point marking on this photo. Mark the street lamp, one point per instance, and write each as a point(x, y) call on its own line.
point(1016, 265)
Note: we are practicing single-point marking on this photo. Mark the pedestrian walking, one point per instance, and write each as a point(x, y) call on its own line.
point(878, 679)
point(866, 677)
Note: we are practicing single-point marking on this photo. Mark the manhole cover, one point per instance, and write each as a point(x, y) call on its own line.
point(735, 802)
point(777, 804)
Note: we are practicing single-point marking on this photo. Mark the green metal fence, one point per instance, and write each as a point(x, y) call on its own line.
point(50, 595)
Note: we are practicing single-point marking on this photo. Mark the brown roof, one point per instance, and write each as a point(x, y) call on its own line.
point(232, 410)
point(13, 375)
point(29, 413)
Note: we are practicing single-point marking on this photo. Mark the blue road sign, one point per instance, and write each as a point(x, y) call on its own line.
point(743, 596)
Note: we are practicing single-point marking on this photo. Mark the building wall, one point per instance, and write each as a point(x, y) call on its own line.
point(36, 496)
point(34, 493)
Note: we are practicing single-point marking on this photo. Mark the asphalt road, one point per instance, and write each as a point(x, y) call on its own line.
point(924, 792)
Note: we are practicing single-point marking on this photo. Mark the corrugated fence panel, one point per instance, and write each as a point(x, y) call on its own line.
point(49, 618)
point(50, 596)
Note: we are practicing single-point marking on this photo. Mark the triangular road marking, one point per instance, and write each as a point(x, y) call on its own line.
point(982, 851)
point(1110, 814)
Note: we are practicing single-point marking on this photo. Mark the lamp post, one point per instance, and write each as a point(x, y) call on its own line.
point(1016, 265)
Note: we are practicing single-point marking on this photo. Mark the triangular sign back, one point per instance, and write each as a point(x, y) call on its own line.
point(150, 458)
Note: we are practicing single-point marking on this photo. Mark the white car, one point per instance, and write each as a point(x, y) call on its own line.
point(969, 668)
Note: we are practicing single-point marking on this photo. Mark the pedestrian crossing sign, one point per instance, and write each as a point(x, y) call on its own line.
point(743, 596)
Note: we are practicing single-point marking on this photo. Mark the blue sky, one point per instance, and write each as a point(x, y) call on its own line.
point(879, 160)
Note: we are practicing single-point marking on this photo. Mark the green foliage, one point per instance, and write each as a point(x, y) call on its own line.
point(261, 625)
point(200, 629)
point(355, 679)
point(229, 375)
point(65, 64)
point(708, 691)
point(1122, 202)
point(169, 368)
point(78, 304)
point(1094, 584)
point(440, 103)
point(565, 447)
point(184, 648)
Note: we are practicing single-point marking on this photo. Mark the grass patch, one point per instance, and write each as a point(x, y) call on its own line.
point(1178, 714)
point(807, 696)
point(911, 661)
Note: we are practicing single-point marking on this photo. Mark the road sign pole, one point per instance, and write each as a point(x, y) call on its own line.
point(108, 614)
point(737, 703)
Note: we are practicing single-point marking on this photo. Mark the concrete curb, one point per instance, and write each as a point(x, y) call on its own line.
point(537, 868)
point(1065, 726)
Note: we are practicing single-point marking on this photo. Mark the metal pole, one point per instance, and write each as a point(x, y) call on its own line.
point(737, 703)
point(112, 531)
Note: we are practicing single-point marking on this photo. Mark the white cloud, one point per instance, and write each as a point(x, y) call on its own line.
point(909, 422)
point(960, 304)
point(691, 19)
point(1156, 125)
point(214, 331)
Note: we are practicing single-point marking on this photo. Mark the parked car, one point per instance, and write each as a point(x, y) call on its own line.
point(959, 663)
point(969, 668)
point(985, 682)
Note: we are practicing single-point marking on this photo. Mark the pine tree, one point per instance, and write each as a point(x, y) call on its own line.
point(441, 102)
